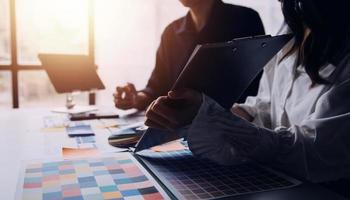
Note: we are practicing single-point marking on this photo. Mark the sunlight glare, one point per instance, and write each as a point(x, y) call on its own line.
point(61, 26)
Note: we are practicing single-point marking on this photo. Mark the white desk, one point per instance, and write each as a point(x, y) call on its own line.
point(22, 139)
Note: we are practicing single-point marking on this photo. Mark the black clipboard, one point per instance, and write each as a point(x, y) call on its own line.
point(222, 71)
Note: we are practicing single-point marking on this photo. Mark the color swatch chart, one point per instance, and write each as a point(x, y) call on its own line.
point(188, 177)
point(119, 177)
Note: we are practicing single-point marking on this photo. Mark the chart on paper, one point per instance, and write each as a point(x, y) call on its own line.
point(190, 178)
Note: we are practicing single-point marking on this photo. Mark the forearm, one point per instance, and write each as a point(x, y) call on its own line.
point(312, 149)
point(227, 138)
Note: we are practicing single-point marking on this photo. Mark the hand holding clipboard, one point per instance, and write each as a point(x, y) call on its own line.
point(222, 71)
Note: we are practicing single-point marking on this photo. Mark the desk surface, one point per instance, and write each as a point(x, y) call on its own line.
point(22, 138)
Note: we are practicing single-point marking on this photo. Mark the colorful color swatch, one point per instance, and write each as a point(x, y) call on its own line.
point(119, 177)
point(80, 130)
point(170, 146)
point(188, 177)
point(71, 153)
point(85, 139)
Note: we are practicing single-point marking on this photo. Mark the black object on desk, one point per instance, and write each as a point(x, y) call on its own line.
point(127, 136)
point(92, 116)
point(222, 71)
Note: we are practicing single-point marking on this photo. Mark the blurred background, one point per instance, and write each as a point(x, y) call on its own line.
point(126, 36)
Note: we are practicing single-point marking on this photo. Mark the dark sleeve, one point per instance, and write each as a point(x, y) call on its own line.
point(249, 22)
point(258, 27)
point(158, 82)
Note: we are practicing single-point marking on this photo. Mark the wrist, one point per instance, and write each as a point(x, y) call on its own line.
point(272, 142)
point(286, 139)
point(142, 100)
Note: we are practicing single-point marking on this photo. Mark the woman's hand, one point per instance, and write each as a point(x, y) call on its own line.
point(176, 110)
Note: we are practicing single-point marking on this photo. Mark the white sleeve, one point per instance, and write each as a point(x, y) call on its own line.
point(221, 136)
point(317, 150)
point(321, 151)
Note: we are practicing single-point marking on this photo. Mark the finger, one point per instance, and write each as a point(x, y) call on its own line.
point(130, 91)
point(166, 112)
point(119, 92)
point(119, 89)
point(123, 104)
point(180, 94)
point(187, 97)
point(123, 107)
point(153, 124)
point(115, 96)
point(159, 119)
point(125, 92)
point(149, 108)
point(131, 87)
point(159, 100)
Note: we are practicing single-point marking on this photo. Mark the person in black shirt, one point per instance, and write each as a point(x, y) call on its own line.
point(207, 21)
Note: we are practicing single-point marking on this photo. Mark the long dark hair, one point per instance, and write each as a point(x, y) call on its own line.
point(329, 24)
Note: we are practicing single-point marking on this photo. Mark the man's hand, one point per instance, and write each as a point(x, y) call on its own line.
point(125, 97)
point(175, 110)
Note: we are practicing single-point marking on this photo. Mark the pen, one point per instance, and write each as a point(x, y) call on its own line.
point(93, 116)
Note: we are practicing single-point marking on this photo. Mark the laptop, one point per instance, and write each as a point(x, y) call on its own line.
point(69, 73)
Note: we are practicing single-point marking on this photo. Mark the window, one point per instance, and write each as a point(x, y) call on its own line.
point(48, 26)
point(5, 89)
point(51, 26)
point(4, 33)
point(34, 86)
point(31, 27)
point(5, 56)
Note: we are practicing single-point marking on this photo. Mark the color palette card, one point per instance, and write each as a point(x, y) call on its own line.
point(79, 130)
point(118, 177)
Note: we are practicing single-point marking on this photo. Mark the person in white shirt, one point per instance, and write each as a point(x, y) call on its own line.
point(300, 119)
